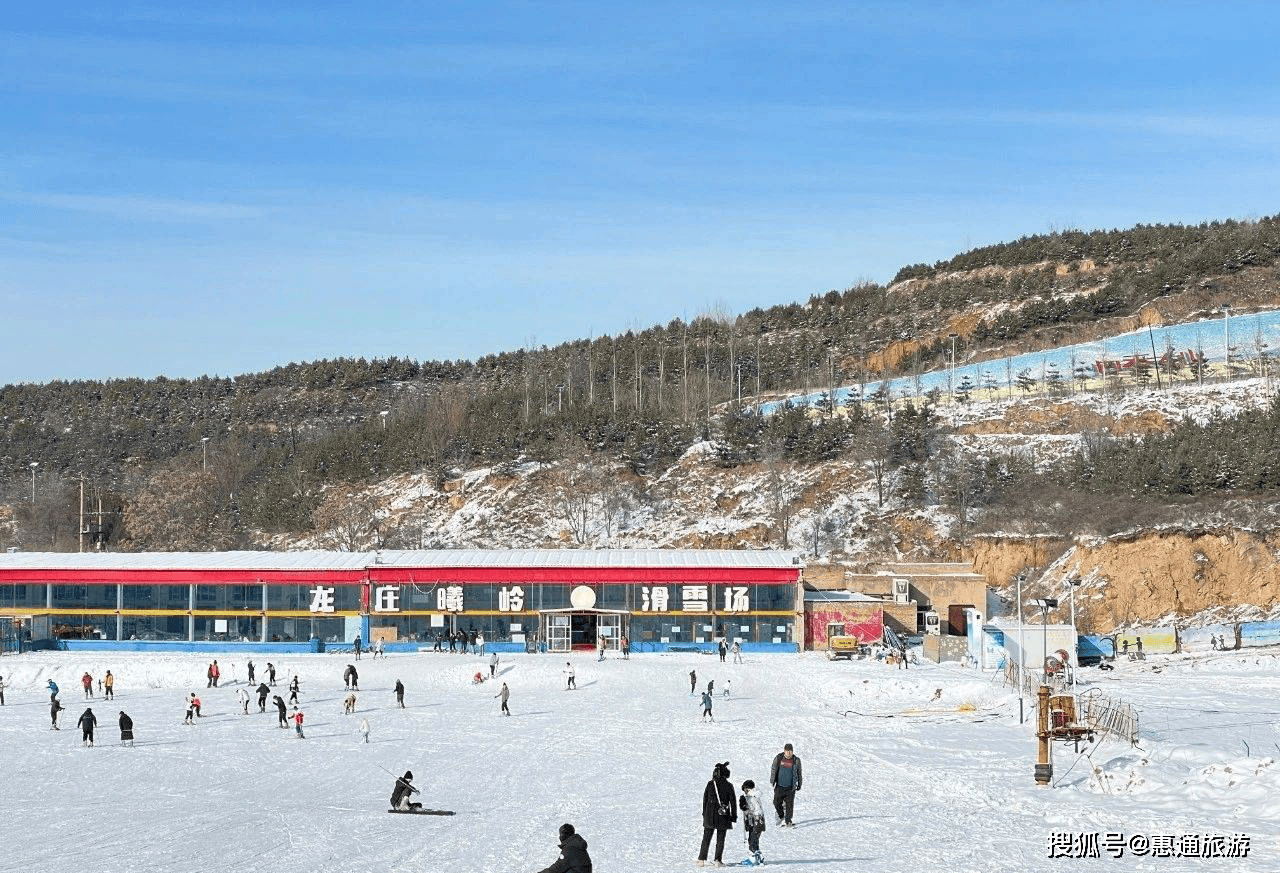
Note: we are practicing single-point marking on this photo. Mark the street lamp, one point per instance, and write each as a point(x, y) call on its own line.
point(204, 453)
point(1045, 604)
point(34, 464)
point(1021, 579)
point(1073, 582)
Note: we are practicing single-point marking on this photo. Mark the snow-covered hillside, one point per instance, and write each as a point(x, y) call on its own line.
point(893, 778)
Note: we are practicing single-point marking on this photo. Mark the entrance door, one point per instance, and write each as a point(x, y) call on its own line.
point(558, 633)
point(609, 627)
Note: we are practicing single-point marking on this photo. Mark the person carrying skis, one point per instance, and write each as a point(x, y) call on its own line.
point(753, 819)
point(401, 793)
point(86, 724)
point(109, 686)
point(297, 723)
point(126, 729)
point(504, 694)
point(293, 690)
point(571, 681)
point(281, 710)
point(573, 853)
point(706, 708)
point(263, 691)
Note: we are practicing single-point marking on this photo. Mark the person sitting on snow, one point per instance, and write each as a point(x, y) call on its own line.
point(400, 795)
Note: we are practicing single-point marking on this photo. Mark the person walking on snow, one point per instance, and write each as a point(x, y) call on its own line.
point(55, 707)
point(719, 812)
point(706, 706)
point(573, 853)
point(263, 691)
point(693, 682)
point(737, 652)
point(250, 672)
point(88, 721)
point(570, 680)
point(377, 649)
point(126, 729)
point(480, 642)
point(208, 676)
point(723, 649)
point(785, 777)
point(626, 648)
point(195, 704)
point(215, 672)
point(243, 696)
point(87, 681)
point(293, 690)
point(752, 818)
point(400, 693)
point(599, 648)
point(504, 694)
point(297, 723)
point(109, 686)
point(271, 674)
point(493, 665)
point(281, 710)
point(356, 646)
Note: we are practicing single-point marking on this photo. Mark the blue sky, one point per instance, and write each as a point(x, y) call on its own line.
point(222, 188)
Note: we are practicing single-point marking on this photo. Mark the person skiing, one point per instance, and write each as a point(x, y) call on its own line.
point(126, 729)
point(293, 690)
point(402, 792)
point(55, 707)
point(53, 690)
point(281, 710)
point(263, 691)
point(693, 682)
point(109, 686)
point(785, 777)
point(493, 665)
point(728, 684)
point(297, 723)
point(190, 710)
point(356, 646)
point(569, 676)
point(364, 728)
point(195, 704)
point(349, 705)
point(706, 708)
point(349, 678)
point(251, 668)
point(711, 687)
point(243, 696)
point(737, 652)
point(87, 681)
point(753, 819)
point(505, 693)
point(719, 812)
point(86, 723)
point(400, 693)
point(722, 649)
point(573, 853)
point(271, 674)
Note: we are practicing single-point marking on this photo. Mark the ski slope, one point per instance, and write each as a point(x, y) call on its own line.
point(893, 779)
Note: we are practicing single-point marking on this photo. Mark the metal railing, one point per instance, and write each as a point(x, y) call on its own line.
point(1115, 718)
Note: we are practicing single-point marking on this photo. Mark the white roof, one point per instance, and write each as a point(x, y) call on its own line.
point(320, 560)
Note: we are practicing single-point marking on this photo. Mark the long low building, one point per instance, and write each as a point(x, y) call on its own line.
point(559, 599)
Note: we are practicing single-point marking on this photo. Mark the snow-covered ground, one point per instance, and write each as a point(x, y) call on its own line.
point(893, 779)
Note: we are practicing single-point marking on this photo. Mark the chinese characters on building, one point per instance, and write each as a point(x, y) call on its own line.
point(694, 598)
point(653, 598)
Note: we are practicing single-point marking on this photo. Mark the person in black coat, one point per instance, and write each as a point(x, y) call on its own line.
point(351, 679)
point(573, 853)
point(719, 811)
point(281, 710)
point(126, 729)
point(400, 693)
point(263, 691)
point(88, 721)
point(402, 792)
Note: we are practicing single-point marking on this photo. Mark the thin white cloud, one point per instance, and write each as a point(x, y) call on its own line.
point(138, 207)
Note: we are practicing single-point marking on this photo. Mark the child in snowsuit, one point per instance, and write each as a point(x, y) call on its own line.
point(752, 818)
point(706, 706)
point(297, 723)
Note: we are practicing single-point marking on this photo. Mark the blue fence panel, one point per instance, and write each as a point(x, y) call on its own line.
point(1092, 649)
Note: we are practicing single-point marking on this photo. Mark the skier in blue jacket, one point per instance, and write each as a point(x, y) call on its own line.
point(53, 690)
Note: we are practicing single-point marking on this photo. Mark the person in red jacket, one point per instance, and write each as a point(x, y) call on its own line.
point(87, 681)
point(297, 723)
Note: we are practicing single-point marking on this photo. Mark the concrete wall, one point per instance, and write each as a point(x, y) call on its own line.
point(945, 648)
